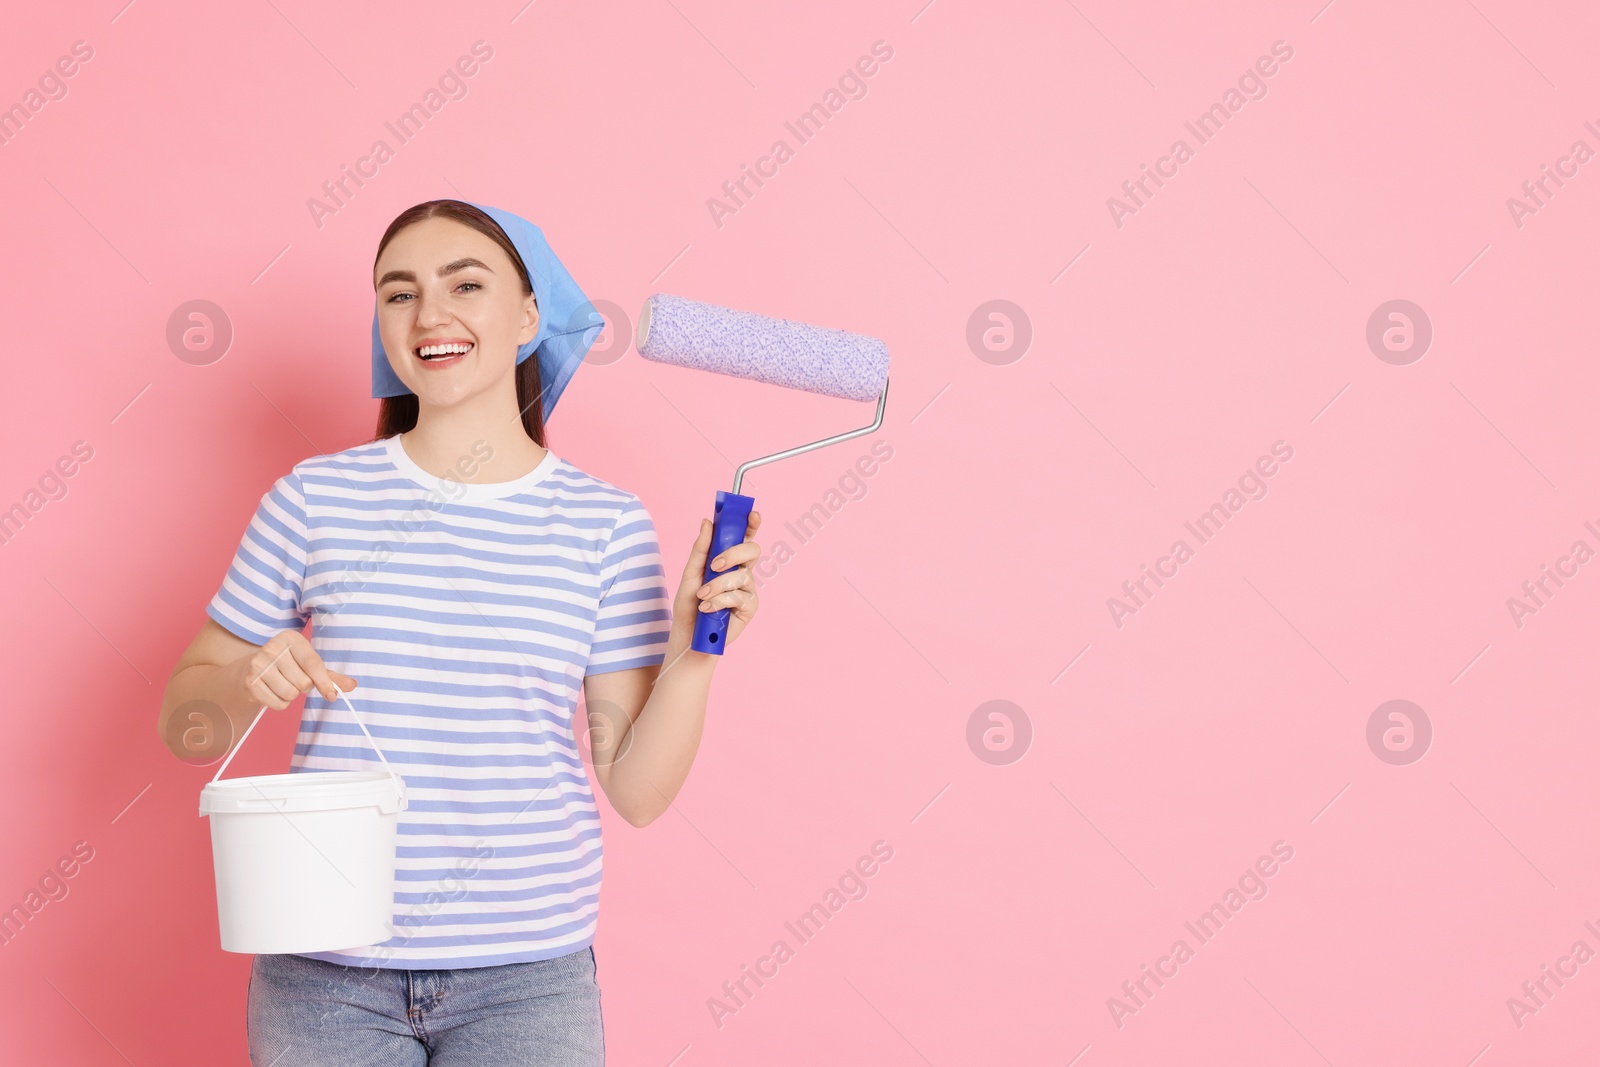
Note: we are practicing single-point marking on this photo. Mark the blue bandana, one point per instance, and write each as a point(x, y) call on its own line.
point(568, 322)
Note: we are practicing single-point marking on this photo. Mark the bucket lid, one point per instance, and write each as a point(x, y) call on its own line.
point(304, 791)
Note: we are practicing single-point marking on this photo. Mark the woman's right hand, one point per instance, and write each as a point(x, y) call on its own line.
point(287, 666)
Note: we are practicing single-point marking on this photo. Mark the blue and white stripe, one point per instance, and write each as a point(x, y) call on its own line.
point(470, 614)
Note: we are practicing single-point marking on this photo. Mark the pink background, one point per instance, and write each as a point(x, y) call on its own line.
point(1229, 313)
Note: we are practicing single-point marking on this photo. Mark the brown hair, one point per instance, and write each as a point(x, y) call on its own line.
point(397, 414)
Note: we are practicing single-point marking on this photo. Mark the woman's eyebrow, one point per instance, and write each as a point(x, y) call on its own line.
point(448, 269)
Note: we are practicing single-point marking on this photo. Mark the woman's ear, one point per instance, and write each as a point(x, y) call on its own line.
point(530, 326)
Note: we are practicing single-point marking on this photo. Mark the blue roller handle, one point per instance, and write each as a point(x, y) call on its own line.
point(728, 527)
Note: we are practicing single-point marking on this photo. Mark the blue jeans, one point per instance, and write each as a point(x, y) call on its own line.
point(307, 1013)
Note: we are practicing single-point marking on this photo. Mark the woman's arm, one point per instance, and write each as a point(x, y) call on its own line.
point(644, 730)
point(221, 680)
point(645, 722)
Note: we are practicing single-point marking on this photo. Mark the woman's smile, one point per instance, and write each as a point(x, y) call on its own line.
point(440, 352)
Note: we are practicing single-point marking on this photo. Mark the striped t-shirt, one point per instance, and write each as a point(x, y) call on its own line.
point(469, 613)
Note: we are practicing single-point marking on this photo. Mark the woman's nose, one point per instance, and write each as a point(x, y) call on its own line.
point(431, 310)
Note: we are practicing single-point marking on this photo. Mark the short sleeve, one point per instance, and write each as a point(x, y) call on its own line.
point(635, 613)
point(261, 593)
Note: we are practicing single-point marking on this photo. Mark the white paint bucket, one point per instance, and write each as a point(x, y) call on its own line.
point(304, 861)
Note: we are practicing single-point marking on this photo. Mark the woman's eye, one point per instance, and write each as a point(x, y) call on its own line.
point(463, 285)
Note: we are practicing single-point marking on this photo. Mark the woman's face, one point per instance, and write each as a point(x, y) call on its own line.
point(440, 282)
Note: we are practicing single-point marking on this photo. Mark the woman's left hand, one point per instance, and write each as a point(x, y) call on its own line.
point(735, 590)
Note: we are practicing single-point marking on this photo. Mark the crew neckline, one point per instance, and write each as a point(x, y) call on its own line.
point(452, 489)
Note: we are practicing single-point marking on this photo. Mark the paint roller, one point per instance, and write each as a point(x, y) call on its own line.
point(707, 337)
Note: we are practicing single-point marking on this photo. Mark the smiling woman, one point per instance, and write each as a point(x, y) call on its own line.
point(467, 645)
point(505, 304)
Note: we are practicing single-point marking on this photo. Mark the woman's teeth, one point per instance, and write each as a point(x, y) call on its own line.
point(442, 352)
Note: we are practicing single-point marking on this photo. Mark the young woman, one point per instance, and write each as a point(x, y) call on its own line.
point(462, 580)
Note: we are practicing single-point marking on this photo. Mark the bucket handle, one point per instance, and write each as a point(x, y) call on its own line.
point(399, 784)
